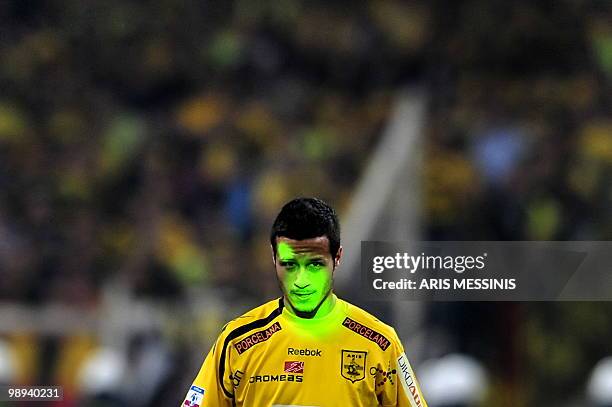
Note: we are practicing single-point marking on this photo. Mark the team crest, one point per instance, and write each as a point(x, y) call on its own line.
point(353, 365)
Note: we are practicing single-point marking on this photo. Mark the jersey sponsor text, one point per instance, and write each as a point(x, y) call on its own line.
point(367, 333)
point(257, 337)
point(408, 383)
point(266, 378)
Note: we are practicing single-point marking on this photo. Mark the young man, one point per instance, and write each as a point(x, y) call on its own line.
point(309, 347)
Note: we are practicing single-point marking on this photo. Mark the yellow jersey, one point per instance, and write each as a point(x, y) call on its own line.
point(269, 357)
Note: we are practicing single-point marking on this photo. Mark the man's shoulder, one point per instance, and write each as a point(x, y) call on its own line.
point(358, 317)
point(256, 317)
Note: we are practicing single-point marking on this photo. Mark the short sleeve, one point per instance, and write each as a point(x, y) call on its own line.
point(212, 386)
point(403, 389)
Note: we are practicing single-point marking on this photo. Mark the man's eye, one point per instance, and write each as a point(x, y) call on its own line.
point(316, 264)
point(287, 264)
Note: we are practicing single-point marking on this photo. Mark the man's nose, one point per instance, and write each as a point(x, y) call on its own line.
point(301, 280)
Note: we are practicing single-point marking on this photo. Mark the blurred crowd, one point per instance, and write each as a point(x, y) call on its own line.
point(519, 147)
point(160, 138)
point(153, 142)
point(521, 123)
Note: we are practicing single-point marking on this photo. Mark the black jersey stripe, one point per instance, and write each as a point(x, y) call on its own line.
point(241, 330)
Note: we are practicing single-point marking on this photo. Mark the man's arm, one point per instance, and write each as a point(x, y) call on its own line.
point(212, 387)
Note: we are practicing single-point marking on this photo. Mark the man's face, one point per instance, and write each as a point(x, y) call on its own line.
point(305, 269)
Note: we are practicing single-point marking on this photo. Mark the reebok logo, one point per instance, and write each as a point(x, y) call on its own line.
point(303, 352)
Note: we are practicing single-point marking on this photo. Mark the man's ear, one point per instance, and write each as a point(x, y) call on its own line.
point(338, 257)
point(273, 255)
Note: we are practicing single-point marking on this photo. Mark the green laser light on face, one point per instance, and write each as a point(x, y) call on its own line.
point(305, 274)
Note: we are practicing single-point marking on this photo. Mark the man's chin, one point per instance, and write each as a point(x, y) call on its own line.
point(301, 307)
point(306, 307)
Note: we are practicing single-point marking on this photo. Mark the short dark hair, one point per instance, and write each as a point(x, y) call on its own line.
point(307, 218)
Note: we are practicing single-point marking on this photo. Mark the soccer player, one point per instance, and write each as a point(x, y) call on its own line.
point(309, 347)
